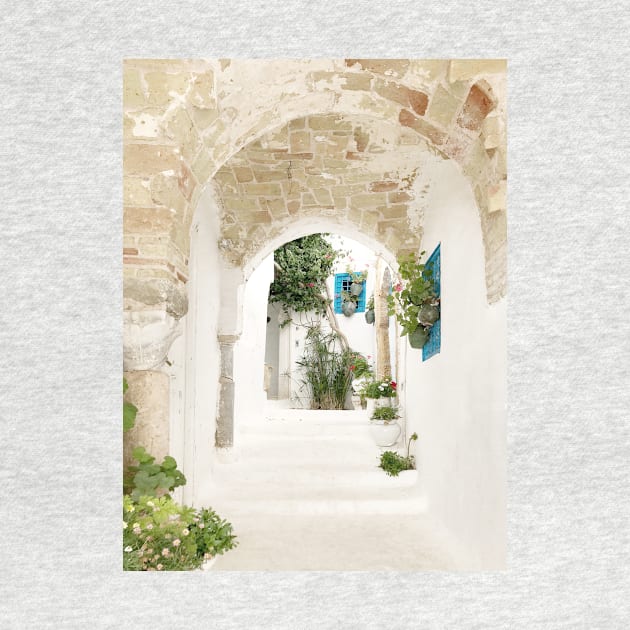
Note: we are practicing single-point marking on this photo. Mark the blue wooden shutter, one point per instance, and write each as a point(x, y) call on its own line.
point(433, 344)
point(338, 288)
point(342, 283)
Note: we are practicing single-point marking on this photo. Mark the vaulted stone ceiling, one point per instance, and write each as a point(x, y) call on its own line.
point(356, 169)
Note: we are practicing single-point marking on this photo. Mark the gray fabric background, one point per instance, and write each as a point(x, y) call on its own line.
point(60, 332)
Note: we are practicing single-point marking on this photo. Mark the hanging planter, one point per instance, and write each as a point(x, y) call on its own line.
point(369, 317)
point(428, 314)
point(356, 288)
point(418, 337)
point(348, 307)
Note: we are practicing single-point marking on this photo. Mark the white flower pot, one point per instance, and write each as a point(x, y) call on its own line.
point(385, 433)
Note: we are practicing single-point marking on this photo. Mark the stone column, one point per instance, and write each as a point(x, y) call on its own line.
point(225, 418)
point(151, 318)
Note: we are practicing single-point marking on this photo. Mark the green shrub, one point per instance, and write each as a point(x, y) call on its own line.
point(212, 534)
point(385, 413)
point(149, 479)
point(161, 535)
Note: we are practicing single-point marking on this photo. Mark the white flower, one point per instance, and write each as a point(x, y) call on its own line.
point(150, 526)
point(136, 525)
point(150, 503)
point(128, 549)
point(185, 532)
point(201, 525)
point(176, 542)
point(124, 524)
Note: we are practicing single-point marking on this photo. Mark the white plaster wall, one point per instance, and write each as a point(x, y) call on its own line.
point(201, 349)
point(249, 352)
point(456, 401)
point(272, 347)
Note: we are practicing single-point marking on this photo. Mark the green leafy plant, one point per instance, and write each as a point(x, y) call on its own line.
point(161, 535)
point(346, 296)
point(393, 463)
point(129, 410)
point(302, 267)
point(414, 296)
point(360, 366)
point(357, 276)
point(387, 414)
point(385, 388)
point(150, 479)
point(370, 303)
point(213, 535)
point(326, 369)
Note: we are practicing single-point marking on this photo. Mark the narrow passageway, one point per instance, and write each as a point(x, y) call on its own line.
point(306, 493)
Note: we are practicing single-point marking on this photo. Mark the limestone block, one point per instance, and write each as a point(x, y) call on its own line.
point(149, 392)
point(162, 87)
point(133, 90)
point(202, 94)
point(152, 220)
point(150, 159)
point(497, 197)
point(136, 191)
point(461, 69)
point(443, 107)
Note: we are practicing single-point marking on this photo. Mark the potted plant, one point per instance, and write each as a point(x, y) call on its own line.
point(349, 303)
point(357, 278)
point(380, 393)
point(414, 301)
point(369, 310)
point(394, 464)
point(383, 426)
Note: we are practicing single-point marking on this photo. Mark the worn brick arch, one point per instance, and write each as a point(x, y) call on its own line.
point(185, 119)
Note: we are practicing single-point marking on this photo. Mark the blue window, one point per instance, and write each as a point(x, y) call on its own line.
point(432, 346)
point(342, 283)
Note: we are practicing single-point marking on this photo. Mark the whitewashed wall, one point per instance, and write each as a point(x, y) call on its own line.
point(249, 352)
point(456, 401)
point(196, 431)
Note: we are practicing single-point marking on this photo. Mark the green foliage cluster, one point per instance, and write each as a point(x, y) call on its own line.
point(149, 479)
point(414, 292)
point(161, 535)
point(305, 265)
point(326, 369)
point(393, 463)
point(385, 413)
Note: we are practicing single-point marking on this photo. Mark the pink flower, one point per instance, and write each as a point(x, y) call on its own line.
point(176, 542)
point(165, 552)
point(311, 284)
point(398, 287)
point(353, 368)
point(393, 384)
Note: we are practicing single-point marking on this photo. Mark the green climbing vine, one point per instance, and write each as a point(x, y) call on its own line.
point(302, 267)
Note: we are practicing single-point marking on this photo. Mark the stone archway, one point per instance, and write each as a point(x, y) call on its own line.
point(190, 122)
